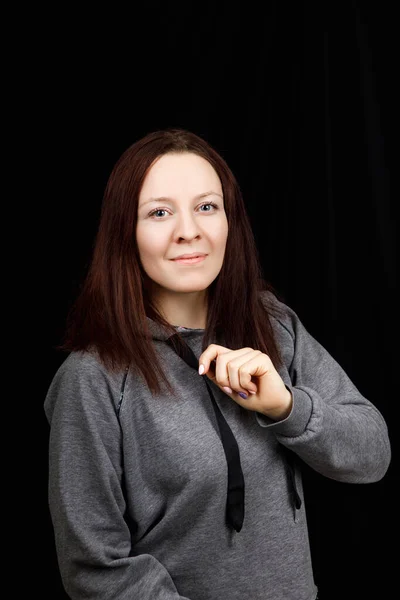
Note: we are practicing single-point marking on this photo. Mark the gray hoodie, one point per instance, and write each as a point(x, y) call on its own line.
point(138, 483)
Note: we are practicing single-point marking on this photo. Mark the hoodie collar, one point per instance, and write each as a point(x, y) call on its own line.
point(158, 332)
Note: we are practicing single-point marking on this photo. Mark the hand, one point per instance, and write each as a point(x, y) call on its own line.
point(248, 371)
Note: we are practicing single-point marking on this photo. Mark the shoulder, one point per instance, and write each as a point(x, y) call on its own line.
point(283, 318)
point(83, 367)
point(81, 381)
point(287, 327)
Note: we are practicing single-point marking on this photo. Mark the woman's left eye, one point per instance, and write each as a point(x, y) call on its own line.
point(209, 204)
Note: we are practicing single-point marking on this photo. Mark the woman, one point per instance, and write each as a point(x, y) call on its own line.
point(189, 398)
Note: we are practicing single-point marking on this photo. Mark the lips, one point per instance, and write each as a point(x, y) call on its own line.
point(189, 261)
point(190, 256)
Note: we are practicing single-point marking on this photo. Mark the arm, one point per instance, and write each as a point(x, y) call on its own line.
point(87, 504)
point(331, 426)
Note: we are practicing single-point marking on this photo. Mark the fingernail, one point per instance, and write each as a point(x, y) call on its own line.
point(242, 395)
point(250, 392)
point(201, 369)
point(227, 390)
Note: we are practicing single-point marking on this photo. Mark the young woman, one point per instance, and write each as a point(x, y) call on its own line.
point(190, 396)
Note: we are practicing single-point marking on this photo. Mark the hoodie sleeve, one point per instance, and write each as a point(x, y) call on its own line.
point(87, 505)
point(331, 427)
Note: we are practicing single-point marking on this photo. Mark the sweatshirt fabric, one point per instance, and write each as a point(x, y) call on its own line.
point(138, 482)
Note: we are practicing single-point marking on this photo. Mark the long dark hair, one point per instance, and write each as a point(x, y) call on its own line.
point(109, 315)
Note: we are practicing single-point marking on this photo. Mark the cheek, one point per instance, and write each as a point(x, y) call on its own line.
point(220, 234)
point(150, 245)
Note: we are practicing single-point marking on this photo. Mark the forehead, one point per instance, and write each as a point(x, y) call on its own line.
point(180, 173)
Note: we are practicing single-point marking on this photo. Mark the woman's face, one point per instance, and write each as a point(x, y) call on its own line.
point(176, 215)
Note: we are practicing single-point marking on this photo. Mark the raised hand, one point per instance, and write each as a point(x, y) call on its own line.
point(247, 371)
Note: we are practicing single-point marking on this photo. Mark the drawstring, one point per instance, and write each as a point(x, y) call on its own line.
point(235, 497)
point(292, 477)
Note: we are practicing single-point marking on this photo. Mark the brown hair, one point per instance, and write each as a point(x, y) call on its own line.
point(109, 315)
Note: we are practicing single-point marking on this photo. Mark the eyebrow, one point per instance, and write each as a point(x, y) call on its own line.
point(166, 199)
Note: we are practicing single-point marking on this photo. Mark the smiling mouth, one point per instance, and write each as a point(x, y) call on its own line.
point(189, 261)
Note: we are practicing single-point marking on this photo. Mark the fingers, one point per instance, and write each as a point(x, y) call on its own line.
point(213, 352)
point(235, 374)
point(230, 369)
point(209, 355)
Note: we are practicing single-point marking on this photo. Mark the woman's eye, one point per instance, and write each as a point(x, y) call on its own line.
point(158, 210)
point(209, 204)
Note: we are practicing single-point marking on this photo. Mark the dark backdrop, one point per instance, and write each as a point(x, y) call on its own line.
point(300, 102)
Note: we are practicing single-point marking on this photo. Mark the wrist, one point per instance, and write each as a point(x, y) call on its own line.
point(278, 414)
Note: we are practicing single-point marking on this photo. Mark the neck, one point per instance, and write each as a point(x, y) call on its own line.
point(184, 309)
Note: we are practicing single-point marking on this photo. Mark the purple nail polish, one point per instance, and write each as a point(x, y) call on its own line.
point(243, 395)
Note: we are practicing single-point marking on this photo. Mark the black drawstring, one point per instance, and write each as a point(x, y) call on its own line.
point(292, 477)
point(235, 498)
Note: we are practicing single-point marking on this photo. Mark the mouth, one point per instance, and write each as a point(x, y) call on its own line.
point(190, 261)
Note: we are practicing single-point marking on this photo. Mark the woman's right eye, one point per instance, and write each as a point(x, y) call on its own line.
point(156, 211)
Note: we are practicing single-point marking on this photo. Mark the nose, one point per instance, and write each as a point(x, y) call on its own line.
point(187, 226)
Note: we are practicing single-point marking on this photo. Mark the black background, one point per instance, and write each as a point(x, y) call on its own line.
point(299, 100)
